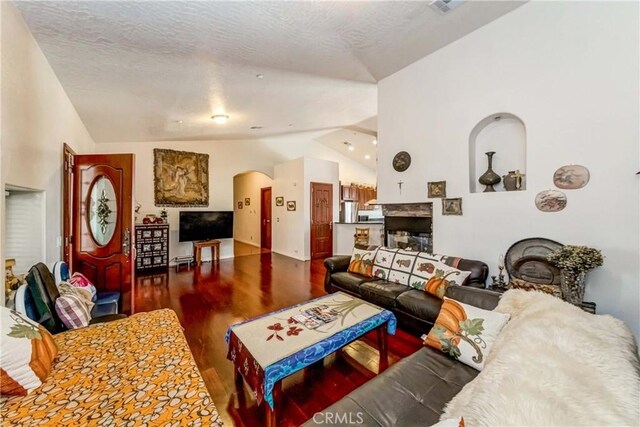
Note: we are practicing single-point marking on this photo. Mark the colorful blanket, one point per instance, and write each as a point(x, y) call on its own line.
point(135, 371)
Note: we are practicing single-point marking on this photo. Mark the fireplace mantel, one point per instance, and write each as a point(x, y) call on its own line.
point(408, 209)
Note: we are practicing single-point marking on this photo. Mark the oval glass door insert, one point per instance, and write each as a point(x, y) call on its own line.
point(103, 211)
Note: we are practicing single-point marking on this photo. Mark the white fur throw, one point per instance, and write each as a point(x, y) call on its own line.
point(554, 365)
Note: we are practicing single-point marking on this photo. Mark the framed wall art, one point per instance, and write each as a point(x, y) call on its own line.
point(291, 205)
point(247, 201)
point(239, 205)
point(452, 206)
point(437, 189)
point(180, 178)
point(279, 201)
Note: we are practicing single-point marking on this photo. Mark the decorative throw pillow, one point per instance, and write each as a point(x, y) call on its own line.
point(530, 286)
point(79, 280)
point(434, 276)
point(362, 260)
point(26, 354)
point(74, 306)
point(465, 332)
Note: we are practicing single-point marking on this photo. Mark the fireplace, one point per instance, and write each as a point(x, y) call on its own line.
point(408, 226)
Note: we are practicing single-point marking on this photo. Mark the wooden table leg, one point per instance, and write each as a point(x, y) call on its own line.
point(239, 382)
point(270, 414)
point(383, 347)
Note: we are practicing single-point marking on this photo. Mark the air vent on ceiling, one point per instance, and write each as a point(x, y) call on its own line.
point(445, 6)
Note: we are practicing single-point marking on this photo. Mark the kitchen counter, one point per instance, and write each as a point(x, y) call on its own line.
point(343, 235)
point(361, 222)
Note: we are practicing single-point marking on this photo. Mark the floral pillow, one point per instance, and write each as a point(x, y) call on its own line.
point(362, 260)
point(465, 332)
point(26, 354)
point(434, 277)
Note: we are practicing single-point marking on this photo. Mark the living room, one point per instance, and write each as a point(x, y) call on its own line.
point(560, 77)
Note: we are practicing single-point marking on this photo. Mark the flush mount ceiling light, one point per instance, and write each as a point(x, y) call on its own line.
point(349, 145)
point(366, 156)
point(220, 118)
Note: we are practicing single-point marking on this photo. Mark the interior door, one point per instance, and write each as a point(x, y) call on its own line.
point(265, 218)
point(103, 223)
point(321, 220)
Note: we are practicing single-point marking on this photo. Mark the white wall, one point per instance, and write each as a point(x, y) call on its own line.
point(570, 71)
point(37, 117)
point(288, 232)
point(226, 159)
point(246, 221)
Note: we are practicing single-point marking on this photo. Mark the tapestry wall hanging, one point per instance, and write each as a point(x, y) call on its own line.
point(180, 178)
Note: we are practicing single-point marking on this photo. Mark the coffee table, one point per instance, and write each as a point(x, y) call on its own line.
point(266, 349)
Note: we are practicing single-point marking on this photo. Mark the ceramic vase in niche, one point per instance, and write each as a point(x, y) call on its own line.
point(572, 285)
point(489, 178)
point(513, 181)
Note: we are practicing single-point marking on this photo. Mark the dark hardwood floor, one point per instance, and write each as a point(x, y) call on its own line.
point(211, 297)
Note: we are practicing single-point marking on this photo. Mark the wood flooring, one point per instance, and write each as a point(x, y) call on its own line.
point(211, 297)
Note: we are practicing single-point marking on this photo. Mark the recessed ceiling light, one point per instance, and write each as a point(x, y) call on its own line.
point(255, 127)
point(351, 147)
point(374, 142)
point(366, 156)
point(180, 121)
point(220, 118)
point(259, 76)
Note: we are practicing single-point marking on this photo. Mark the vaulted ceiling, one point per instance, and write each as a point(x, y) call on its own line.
point(149, 71)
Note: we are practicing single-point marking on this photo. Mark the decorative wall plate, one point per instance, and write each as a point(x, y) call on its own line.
point(551, 200)
point(402, 161)
point(571, 177)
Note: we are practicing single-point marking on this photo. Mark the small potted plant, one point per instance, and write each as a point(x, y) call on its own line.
point(574, 262)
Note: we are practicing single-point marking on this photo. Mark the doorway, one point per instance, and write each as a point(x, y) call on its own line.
point(265, 218)
point(321, 220)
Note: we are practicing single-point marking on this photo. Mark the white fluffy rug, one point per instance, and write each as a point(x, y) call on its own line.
point(554, 365)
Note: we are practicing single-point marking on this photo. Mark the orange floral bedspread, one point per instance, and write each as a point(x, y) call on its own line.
point(137, 371)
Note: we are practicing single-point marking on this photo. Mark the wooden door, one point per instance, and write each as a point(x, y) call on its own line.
point(321, 220)
point(265, 218)
point(103, 223)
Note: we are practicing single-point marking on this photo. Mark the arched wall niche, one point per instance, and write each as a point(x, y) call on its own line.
point(505, 134)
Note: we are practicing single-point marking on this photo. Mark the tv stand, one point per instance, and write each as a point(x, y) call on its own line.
point(215, 250)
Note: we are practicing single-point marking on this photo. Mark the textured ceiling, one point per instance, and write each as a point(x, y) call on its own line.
point(134, 70)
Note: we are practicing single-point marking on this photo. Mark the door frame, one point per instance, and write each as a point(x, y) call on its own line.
point(263, 218)
point(311, 210)
point(67, 204)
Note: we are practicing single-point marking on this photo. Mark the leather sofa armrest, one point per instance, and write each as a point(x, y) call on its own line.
point(337, 263)
point(481, 298)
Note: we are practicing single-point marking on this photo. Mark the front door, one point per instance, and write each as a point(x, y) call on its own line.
point(321, 220)
point(265, 217)
point(103, 223)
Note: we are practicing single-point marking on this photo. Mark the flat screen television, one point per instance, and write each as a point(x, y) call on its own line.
point(205, 225)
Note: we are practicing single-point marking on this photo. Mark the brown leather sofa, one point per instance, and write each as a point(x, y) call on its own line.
point(415, 310)
point(415, 390)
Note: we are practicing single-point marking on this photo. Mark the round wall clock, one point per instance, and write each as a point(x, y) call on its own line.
point(401, 161)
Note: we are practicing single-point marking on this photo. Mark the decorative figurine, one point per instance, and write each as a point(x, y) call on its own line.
point(498, 282)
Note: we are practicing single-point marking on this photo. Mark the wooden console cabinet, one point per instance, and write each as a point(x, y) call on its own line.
point(152, 246)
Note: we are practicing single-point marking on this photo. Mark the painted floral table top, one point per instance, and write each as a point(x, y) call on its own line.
point(275, 336)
